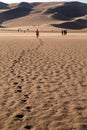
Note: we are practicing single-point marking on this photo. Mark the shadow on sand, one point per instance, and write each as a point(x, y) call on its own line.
point(14, 13)
point(77, 24)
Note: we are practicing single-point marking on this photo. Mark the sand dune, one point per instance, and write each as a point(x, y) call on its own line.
point(4, 5)
point(70, 10)
point(57, 13)
point(43, 82)
point(14, 13)
point(24, 4)
point(76, 24)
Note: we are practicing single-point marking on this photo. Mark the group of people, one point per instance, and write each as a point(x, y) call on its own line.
point(64, 32)
point(20, 30)
point(37, 31)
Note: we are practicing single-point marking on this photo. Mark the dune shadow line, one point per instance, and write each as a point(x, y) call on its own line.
point(14, 13)
point(77, 24)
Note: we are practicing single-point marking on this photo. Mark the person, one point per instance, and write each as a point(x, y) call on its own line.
point(62, 32)
point(65, 32)
point(27, 30)
point(37, 33)
point(18, 30)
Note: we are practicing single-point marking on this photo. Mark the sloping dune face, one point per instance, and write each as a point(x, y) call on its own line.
point(21, 10)
point(43, 82)
point(24, 4)
point(63, 14)
point(76, 24)
point(69, 10)
point(4, 5)
point(14, 13)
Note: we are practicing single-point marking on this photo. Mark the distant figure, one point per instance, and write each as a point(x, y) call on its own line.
point(18, 30)
point(37, 33)
point(27, 30)
point(65, 32)
point(62, 32)
point(24, 31)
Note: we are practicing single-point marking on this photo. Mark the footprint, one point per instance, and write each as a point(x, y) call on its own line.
point(80, 108)
point(38, 87)
point(12, 71)
point(19, 87)
point(18, 91)
point(22, 79)
point(83, 127)
point(19, 116)
point(28, 127)
point(28, 108)
point(15, 83)
point(26, 96)
point(18, 76)
point(23, 100)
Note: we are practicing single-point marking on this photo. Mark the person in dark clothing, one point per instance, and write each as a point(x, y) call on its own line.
point(62, 32)
point(65, 32)
point(37, 33)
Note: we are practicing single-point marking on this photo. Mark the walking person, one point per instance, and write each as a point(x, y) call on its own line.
point(37, 33)
point(65, 32)
point(62, 32)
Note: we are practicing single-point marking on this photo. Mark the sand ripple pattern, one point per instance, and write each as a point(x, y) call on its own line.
point(43, 84)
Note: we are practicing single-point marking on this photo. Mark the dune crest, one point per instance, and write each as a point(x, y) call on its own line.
point(57, 13)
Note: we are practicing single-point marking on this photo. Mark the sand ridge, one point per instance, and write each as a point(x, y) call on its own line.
point(70, 15)
point(43, 82)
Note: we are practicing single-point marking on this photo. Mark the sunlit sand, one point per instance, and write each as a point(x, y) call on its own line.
point(43, 82)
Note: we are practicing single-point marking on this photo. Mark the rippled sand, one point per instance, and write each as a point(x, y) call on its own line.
point(43, 82)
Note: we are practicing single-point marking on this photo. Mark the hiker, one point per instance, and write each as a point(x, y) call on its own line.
point(37, 33)
point(24, 31)
point(62, 32)
point(18, 30)
point(27, 30)
point(65, 32)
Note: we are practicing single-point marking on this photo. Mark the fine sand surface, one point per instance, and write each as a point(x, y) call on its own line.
point(43, 82)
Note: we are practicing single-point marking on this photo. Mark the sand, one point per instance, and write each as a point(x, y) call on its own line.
point(43, 82)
